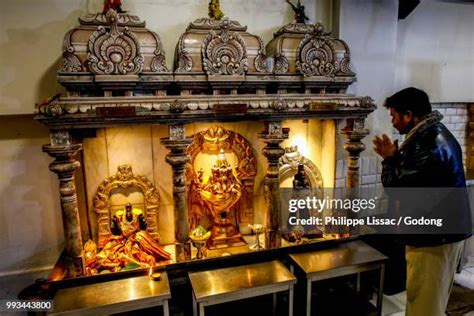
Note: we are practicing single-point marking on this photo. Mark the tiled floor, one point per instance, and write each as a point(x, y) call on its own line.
point(466, 277)
point(394, 305)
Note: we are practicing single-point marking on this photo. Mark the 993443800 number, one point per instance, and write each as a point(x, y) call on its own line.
point(26, 305)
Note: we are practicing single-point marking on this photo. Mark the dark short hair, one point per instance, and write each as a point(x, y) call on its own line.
point(410, 99)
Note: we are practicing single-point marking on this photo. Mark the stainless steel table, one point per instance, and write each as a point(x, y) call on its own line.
point(235, 283)
point(113, 297)
point(348, 258)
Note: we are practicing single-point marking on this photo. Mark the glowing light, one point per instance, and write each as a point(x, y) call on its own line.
point(301, 141)
point(131, 290)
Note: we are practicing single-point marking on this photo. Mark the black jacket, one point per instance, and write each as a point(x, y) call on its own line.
point(431, 158)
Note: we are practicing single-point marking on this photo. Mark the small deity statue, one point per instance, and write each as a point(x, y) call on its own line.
point(300, 16)
point(132, 226)
point(215, 10)
point(299, 180)
point(115, 5)
point(129, 243)
point(128, 222)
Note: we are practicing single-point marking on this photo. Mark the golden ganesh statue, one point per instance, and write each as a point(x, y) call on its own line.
point(129, 246)
point(222, 191)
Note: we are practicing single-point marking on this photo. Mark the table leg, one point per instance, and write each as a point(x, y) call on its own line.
point(195, 311)
point(274, 303)
point(166, 309)
point(308, 297)
point(380, 292)
point(358, 283)
point(290, 301)
point(201, 309)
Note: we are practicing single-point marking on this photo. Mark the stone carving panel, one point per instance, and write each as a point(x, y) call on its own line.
point(281, 64)
point(158, 63)
point(114, 52)
point(71, 62)
point(315, 57)
point(224, 53)
point(184, 61)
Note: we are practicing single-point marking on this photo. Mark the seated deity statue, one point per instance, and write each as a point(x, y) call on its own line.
point(130, 224)
point(130, 243)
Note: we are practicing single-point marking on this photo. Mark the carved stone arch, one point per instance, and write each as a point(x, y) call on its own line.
point(124, 179)
point(315, 56)
point(224, 53)
point(289, 166)
point(114, 52)
point(213, 140)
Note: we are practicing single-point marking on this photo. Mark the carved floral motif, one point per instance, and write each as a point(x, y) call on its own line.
point(124, 19)
point(261, 61)
point(71, 62)
point(158, 63)
point(279, 104)
point(224, 53)
point(185, 63)
point(178, 106)
point(315, 57)
point(114, 52)
point(367, 102)
point(176, 132)
point(207, 23)
point(344, 64)
point(281, 64)
point(301, 28)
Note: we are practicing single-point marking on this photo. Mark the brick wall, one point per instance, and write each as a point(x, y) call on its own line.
point(470, 142)
point(456, 118)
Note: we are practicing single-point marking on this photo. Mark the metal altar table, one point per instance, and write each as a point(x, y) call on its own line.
point(236, 283)
point(347, 258)
point(113, 297)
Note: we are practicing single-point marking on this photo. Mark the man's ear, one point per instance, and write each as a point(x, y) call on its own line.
point(409, 115)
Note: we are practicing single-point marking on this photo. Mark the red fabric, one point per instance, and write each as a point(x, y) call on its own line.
point(112, 4)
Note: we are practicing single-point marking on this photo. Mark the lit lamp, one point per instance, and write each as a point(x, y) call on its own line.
point(155, 276)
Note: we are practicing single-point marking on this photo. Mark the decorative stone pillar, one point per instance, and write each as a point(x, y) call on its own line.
point(177, 143)
point(354, 132)
point(273, 136)
point(64, 165)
